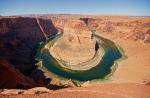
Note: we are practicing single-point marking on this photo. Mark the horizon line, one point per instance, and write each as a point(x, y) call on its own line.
point(76, 14)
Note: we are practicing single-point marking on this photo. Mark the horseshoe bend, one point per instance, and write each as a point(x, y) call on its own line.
point(75, 59)
point(74, 54)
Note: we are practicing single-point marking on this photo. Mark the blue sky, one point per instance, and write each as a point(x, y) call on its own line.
point(98, 7)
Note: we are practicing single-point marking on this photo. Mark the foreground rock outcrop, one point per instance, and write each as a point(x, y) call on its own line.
point(13, 78)
point(124, 90)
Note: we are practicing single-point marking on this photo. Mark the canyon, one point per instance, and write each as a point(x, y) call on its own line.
point(21, 36)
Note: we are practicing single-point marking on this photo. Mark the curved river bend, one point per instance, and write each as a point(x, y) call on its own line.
point(103, 69)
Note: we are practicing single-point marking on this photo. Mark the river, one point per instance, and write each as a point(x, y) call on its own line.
point(103, 69)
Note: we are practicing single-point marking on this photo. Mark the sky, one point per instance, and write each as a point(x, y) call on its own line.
point(90, 7)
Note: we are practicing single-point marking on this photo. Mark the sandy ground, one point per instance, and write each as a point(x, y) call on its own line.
point(136, 68)
point(95, 91)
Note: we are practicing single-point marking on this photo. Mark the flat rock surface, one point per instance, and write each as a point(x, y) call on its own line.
point(94, 91)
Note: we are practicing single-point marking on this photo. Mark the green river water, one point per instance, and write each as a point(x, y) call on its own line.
point(104, 68)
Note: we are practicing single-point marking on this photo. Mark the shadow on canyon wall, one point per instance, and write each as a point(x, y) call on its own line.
point(19, 39)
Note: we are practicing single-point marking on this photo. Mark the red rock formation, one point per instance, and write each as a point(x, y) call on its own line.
point(76, 45)
point(13, 78)
point(19, 38)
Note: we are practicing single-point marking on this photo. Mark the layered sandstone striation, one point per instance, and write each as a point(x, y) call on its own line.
point(76, 45)
point(131, 28)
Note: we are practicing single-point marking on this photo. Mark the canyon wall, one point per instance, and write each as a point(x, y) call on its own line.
point(20, 37)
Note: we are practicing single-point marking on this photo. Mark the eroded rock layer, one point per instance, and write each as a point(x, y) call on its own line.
point(76, 45)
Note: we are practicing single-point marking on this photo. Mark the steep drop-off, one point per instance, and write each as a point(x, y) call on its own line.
point(19, 38)
point(13, 78)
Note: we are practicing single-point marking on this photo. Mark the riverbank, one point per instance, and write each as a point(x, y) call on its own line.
point(83, 65)
point(136, 68)
point(99, 71)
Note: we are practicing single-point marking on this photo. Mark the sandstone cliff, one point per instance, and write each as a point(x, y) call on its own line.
point(19, 39)
point(76, 45)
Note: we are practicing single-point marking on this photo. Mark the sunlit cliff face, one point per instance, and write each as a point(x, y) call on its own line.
point(76, 45)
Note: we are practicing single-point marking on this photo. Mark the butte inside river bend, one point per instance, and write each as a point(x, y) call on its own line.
point(101, 66)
